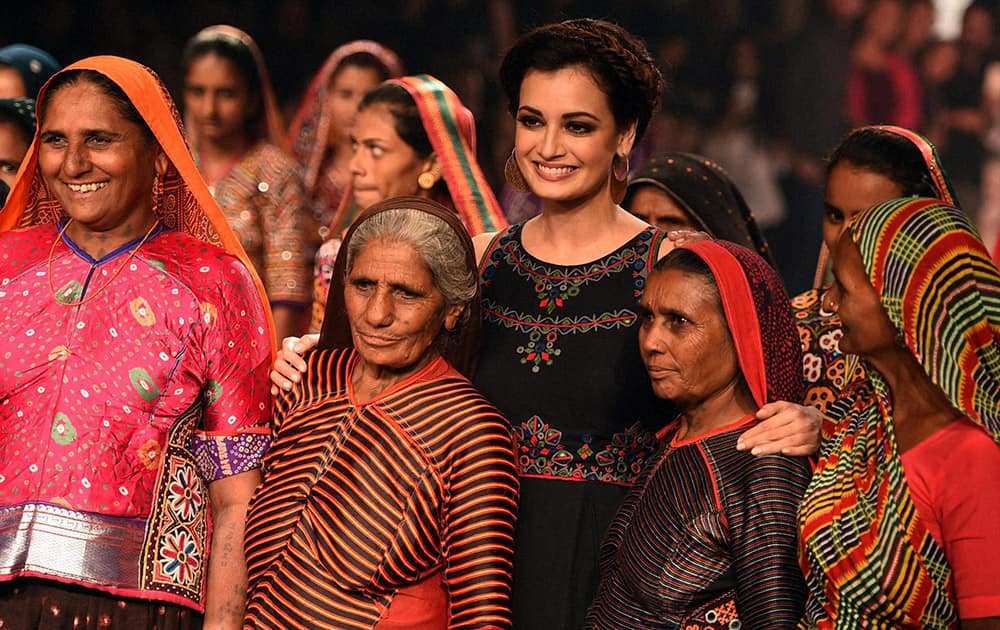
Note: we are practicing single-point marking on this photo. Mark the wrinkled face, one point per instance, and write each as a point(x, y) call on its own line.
point(11, 83)
point(658, 209)
point(395, 310)
point(566, 136)
point(349, 85)
point(866, 326)
point(383, 164)
point(99, 165)
point(12, 151)
point(684, 339)
point(850, 190)
point(216, 99)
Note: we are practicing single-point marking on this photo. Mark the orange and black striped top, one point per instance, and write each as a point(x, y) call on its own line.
point(362, 499)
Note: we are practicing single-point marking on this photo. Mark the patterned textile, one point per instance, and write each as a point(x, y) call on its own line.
point(44, 605)
point(117, 413)
point(310, 128)
point(702, 188)
point(362, 499)
point(560, 358)
point(261, 194)
point(826, 370)
point(867, 555)
point(23, 108)
point(452, 133)
point(261, 197)
point(709, 531)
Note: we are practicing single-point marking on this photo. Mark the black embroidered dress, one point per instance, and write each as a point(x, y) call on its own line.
point(561, 360)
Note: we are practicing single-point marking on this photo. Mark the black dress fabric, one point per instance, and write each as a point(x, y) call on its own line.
point(561, 360)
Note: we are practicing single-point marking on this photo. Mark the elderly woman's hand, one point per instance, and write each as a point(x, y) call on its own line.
point(785, 428)
point(289, 364)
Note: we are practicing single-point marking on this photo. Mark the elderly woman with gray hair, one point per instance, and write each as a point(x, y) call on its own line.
point(390, 489)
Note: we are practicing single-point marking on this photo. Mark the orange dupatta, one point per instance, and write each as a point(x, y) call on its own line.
point(184, 203)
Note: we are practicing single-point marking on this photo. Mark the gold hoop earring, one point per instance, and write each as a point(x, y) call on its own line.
point(426, 180)
point(619, 178)
point(512, 173)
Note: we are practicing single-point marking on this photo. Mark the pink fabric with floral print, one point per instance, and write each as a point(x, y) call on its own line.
point(117, 412)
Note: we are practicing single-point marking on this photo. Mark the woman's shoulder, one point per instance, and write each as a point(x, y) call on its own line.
point(743, 470)
point(196, 263)
point(272, 156)
point(28, 237)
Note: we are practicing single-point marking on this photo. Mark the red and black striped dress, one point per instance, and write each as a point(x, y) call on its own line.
point(372, 510)
point(705, 539)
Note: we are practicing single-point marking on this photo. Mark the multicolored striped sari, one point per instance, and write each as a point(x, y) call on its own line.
point(451, 129)
point(869, 559)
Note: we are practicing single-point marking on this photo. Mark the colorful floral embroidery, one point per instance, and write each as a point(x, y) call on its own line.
point(555, 286)
point(179, 557)
point(543, 332)
point(184, 494)
point(542, 452)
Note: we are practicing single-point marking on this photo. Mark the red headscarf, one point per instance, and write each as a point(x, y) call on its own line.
point(760, 320)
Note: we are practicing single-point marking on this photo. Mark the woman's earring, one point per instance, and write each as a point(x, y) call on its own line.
point(157, 193)
point(619, 178)
point(512, 173)
point(426, 180)
point(827, 305)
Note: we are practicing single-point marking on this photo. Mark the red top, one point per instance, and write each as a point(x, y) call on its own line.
point(954, 480)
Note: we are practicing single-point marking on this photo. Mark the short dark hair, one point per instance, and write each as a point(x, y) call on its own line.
point(108, 87)
point(407, 122)
point(890, 155)
point(619, 62)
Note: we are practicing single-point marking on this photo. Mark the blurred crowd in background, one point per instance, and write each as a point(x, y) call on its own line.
point(766, 88)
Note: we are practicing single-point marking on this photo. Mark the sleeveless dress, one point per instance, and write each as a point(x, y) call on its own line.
point(561, 360)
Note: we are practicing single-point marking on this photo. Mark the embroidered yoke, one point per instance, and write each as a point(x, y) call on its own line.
point(560, 358)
